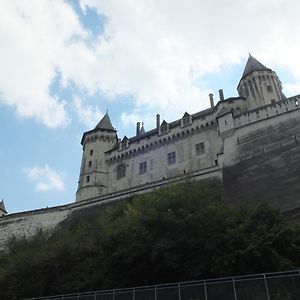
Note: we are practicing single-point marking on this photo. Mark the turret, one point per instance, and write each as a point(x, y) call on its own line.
point(259, 85)
point(3, 211)
point(93, 179)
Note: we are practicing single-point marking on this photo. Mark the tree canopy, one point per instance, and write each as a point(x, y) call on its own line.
point(182, 232)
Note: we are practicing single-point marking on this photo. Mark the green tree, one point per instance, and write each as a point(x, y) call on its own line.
point(183, 232)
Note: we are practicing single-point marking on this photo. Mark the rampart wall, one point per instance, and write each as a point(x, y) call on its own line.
point(262, 160)
point(26, 224)
point(260, 163)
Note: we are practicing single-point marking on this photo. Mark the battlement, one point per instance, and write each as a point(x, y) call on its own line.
point(268, 111)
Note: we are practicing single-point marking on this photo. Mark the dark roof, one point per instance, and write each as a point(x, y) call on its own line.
point(253, 65)
point(2, 206)
point(175, 123)
point(105, 123)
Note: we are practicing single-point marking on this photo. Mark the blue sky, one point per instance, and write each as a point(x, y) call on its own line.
point(64, 63)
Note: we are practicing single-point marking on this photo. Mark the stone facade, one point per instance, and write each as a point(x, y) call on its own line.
point(191, 145)
point(250, 143)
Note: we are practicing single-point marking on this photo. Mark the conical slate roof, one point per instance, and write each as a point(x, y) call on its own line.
point(253, 65)
point(105, 123)
point(2, 206)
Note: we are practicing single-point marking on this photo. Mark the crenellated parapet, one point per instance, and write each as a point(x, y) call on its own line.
point(268, 111)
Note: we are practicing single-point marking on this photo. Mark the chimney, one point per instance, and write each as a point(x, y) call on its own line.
point(138, 128)
point(211, 99)
point(157, 121)
point(221, 94)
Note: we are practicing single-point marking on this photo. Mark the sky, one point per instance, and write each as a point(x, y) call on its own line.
point(63, 64)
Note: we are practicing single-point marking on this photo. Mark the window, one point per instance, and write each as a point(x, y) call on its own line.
point(91, 152)
point(200, 148)
point(269, 88)
point(164, 128)
point(88, 178)
point(124, 143)
point(185, 121)
point(171, 158)
point(121, 171)
point(90, 163)
point(143, 167)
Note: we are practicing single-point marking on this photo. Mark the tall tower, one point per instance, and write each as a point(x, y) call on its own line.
point(259, 85)
point(93, 179)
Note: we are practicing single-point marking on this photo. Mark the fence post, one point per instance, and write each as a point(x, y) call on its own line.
point(179, 292)
point(266, 286)
point(114, 291)
point(155, 292)
point(234, 290)
point(133, 294)
point(205, 290)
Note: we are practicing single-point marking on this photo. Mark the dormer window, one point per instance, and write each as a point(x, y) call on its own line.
point(186, 120)
point(164, 128)
point(124, 143)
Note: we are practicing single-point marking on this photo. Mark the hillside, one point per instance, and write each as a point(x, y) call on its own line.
point(182, 232)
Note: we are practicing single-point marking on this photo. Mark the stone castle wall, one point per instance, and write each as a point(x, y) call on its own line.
point(26, 224)
point(262, 162)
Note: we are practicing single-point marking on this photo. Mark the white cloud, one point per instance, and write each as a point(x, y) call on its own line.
point(45, 178)
point(156, 51)
point(87, 114)
point(32, 37)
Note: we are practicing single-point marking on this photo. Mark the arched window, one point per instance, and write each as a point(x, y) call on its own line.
point(121, 171)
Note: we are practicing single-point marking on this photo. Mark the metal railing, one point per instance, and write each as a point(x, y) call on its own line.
point(267, 286)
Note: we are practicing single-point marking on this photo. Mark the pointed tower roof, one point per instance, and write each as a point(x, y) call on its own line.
point(105, 123)
point(2, 207)
point(253, 65)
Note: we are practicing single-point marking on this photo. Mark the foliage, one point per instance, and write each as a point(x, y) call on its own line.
point(182, 232)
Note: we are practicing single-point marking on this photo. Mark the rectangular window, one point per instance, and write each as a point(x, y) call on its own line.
point(88, 178)
point(143, 167)
point(91, 152)
point(200, 148)
point(171, 158)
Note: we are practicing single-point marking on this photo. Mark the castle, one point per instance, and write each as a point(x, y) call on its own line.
point(249, 143)
point(191, 147)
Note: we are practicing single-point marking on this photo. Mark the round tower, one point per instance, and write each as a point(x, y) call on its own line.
point(93, 179)
point(259, 85)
